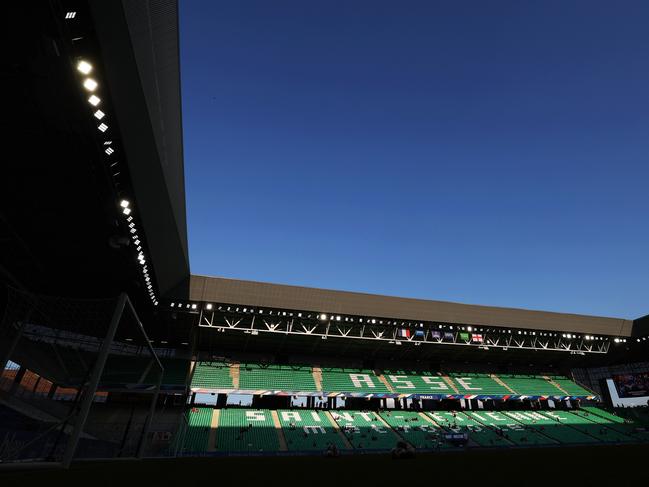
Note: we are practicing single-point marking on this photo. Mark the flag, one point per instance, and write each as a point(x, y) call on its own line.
point(404, 333)
point(448, 335)
point(464, 336)
point(419, 334)
point(476, 337)
point(436, 335)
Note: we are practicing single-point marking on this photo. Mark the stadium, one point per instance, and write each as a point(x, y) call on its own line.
point(117, 361)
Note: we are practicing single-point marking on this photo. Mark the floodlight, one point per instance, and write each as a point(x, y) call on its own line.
point(103, 127)
point(90, 84)
point(208, 306)
point(84, 67)
point(94, 100)
point(99, 114)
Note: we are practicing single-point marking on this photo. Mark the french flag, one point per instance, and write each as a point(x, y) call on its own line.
point(404, 333)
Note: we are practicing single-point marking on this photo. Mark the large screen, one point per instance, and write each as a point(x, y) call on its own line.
point(632, 385)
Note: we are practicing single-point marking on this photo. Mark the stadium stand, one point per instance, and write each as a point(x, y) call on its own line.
point(581, 423)
point(531, 385)
point(551, 426)
point(309, 430)
point(514, 431)
point(256, 376)
point(249, 430)
point(198, 430)
point(477, 384)
point(630, 425)
point(478, 433)
point(276, 377)
point(415, 382)
point(601, 429)
point(365, 430)
point(416, 430)
point(351, 380)
point(212, 375)
point(570, 386)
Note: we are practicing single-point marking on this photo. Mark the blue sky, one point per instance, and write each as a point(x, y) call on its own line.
point(482, 152)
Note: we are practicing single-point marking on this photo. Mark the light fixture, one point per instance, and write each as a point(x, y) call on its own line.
point(70, 15)
point(193, 306)
point(90, 84)
point(94, 100)
point(323, 317)
point(99, 114)
point(124, 203)
point(109, 150)
point(208, 306)
point(84, 67)
point(103, 127)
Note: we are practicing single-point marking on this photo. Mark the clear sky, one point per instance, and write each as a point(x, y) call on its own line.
point(487, 152)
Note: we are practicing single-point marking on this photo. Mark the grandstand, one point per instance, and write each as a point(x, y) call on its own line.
point(112, 349)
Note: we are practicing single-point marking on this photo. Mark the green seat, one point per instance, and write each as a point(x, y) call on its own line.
point(212, 375)
point(235, 434)
point(351, 380)
point(365, 431)
point(276, 377)
point(199, 421)
point(308, 430)
point(417, 431)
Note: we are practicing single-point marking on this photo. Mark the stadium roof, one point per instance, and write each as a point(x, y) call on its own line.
point(260, 294)
point(62, 230)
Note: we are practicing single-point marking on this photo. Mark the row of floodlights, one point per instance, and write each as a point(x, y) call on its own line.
point(325, 317)
point(91, 85)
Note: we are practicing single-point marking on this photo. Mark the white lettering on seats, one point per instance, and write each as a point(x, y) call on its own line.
point(366, 416)
point(400, 382)
point(255, 416)
point(439, 384)
point(346, 417)
point(291, 416)
point(496, 416)
point(358, 379)
point(463, 381)
point(316, 416)
point(314, 429)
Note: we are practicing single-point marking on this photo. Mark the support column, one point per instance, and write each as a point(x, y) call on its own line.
point(91, 387)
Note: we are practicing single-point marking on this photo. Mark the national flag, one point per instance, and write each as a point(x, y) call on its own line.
point(436, 335)
point(476, 337)
point(464, 336)
point(448, 335)
point(404, 333)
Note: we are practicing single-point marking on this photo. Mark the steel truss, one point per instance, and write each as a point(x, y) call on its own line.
point(431, 333)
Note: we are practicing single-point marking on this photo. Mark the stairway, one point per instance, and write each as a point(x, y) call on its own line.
point(280, 433)
point(382, 378)
point(451, 384)
point(317, 377)
point(234, 374)
point(393, 430)
point(211, 440)
point(338, 430)
point(555, 385)
point(502, 383)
